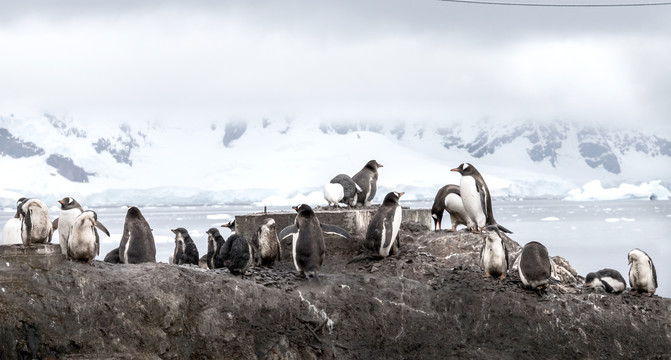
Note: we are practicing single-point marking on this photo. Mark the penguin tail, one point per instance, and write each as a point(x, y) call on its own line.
point(364, 257)
point(312, 275)
point(502, 228)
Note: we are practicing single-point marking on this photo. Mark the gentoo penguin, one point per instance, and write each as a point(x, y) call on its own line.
point(185, 249)
point(35, 224)
point(606, 279)
point(214, 244)
point(494, 254)
point(83, 242)
point(11, 233)
point(70, 209)
point(342, 189)
point(266, 244)
point(449, 198)
point(137, 242)
point(476, 198)
point(366, 179)
point(536, 269)
point(236, 253)
point(382, 235)
point(642, 274)
point(308, 248)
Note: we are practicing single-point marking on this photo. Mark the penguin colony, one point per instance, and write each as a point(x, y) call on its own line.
point(468, 204)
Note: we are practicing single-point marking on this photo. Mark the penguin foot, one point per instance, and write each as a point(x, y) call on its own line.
point(487, 275)
point(503, 276)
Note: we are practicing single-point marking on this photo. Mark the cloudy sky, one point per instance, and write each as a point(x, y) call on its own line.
point(338, 59)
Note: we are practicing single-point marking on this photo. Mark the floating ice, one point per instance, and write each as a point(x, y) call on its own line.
point(550, 218)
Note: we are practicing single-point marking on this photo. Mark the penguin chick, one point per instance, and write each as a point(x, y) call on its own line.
point(84, 241)
point(382, 236)
point(185, 249)
point(266, 244)
point(642, 273)
point(606, 279)
point(236, 253)
point(366, 179)
point(36, 228)
point(214, 244)
point(535, 268)
point(494, 254)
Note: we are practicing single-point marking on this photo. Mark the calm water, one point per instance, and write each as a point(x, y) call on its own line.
point(591, 235)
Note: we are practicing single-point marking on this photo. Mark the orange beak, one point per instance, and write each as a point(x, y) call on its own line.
point(455, 170)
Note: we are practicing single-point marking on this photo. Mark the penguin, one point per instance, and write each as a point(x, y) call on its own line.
point(308, 248)
point(70, 209)
point(83, 241)
point(382, 236)
point(449, 198)
point(494, 254)
point(366, 179)
point(185, 249)
point(113, 257)
point(237, 252)
point(606, 279)
point(342, 189)
point(535, 268)
point(36, 227)
point(11, 233)
point(642, 273)
point(266, 244)
point(202, 262)
point(476, 198)
point(214, 244)
point(137, 242)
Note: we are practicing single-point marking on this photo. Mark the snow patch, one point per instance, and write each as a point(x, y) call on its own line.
point(593, 190)
point(550, 218)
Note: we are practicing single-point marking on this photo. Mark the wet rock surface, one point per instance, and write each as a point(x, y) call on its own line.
point(430, 301)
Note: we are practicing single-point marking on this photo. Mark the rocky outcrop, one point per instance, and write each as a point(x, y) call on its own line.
point(430, 301)
point(67, 168)
point(16, 148)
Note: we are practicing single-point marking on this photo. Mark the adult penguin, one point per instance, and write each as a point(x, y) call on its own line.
point(449, 198)
point(185, 249)
point(642, 273)
point(137, 241)
point(11, 232)
point(366, 179)
point(476, 198)
point(70, 210)
point(236, 253)
point(83, 241)
point(214, 244)
point(36, 227)
point(607, 279)
point(342, 189)
point(536, 269)
point(494, 254)
point(308, 247)
point(382, 236)
point(266, 244)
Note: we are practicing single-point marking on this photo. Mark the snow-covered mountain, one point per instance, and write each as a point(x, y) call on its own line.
point(281, 161)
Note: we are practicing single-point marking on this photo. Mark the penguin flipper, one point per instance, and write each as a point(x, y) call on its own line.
point(654, 272)
point(54, 224)
point(505, 252)
point(483, 198)
point(607, 286)
point(287, 231)
point(102, 228)
point(502, 228)
point(334, 230)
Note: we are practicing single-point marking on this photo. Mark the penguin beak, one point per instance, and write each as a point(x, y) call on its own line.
point(61, 202)
point(400, 194)
point(174, 231)
point(295, 208)
point(225, 225)
point(455, 169)
point(380, 165)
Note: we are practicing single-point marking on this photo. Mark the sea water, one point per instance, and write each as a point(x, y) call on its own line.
point(591, 235)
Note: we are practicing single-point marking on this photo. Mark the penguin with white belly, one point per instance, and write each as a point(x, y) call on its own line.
point(449, 198)
point(137, 241)
point(494, 254)
point(476, 198)
point(36, 227)
point(214, 244)
point(366, 179)
point(382, 236)
point(342, 189)
point(609, 280)
point(185, 249)
point(309, 248)
point(11, 232)
point(70, 210)
point(642, 273)
point(84, 241)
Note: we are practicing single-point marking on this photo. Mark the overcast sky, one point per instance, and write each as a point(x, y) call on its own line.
point(310, 59)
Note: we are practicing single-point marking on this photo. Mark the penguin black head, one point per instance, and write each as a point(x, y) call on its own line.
point(373, 165)
point(213, 232)
point(393, 197)
point(181, 231)
point(465, 169)
point(589, 278)
point(230, 225)
point(303, 209)
point(18, 207)
point(68, 203)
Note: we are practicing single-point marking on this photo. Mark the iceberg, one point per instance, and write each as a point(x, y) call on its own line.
point(593, 190)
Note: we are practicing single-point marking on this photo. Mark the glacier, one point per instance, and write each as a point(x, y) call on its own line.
point(284, 161)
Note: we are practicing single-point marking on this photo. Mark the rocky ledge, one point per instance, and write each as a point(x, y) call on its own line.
point(430, 301)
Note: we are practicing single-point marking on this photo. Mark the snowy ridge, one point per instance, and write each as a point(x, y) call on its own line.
point(281, 162)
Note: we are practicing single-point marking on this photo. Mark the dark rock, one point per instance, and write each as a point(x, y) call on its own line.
point(233, 131)
point(67, 168)
point(17, 148)
point(430, 301)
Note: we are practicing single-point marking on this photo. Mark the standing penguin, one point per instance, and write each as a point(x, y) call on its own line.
point(494, 254)
point(11, 233)
point(449, 198)
point(342, 189)
point(382, 236)
point(606, 279)
point(308, 247)
point(35, 224)
point(236, 253)
point(137, 242)
point(185, 249)
point(214, 244)
point(366, 179)
point(70, 209)
point(476, 198)
point(536, 269)
point(84, 242)
point(266, 244)
point(642, 273)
